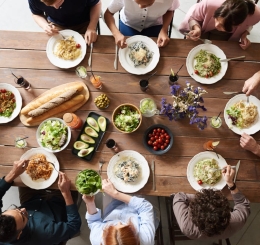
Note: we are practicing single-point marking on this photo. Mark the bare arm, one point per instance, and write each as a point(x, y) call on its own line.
point(163, 38)
point(251, 84)
point(64, 186)
point(43, 23)
point(18, 168)
point(249, 143)
point(90, 204)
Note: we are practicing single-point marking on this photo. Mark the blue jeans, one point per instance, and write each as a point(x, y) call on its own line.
point(152, 31)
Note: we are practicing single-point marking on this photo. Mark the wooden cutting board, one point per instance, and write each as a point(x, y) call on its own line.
point(84, 92)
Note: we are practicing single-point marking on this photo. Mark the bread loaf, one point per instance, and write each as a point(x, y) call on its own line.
point(48, 96)
point(59, 109)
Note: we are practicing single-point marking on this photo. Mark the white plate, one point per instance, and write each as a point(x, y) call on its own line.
point(255, 127)
point(190, 63)
point(128, 64)
point(129, 187)
point(201, 156)
point(53, 41)
point(18, 99)
point(40, 183)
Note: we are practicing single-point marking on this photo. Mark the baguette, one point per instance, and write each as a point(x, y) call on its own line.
point(56, 110)
point(48, 96)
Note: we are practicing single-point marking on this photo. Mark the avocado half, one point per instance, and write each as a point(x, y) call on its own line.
point(102, 123)
point(80, 145)
point(93, 123)
point(85, 152)
point(91, 132)
point(87, 139)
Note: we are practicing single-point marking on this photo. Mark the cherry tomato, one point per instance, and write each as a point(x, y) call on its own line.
point(156, 136)
point(149, 142)
point(155, 131)
point(196, 72)
point(152, 139)
point(155, 148)
point(78, 45)
point(160, 141)
point(158, 130)
point(163, 131)
point(155, 143)
point(165, 144)
point(150, 135)
point(162, 147)
point(167, 137)
point(200, 182)
point(167, 141)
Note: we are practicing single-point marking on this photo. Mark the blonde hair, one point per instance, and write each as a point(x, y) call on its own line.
point(125, 235)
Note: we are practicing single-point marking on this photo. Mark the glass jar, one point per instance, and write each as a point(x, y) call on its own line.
point(72, 120)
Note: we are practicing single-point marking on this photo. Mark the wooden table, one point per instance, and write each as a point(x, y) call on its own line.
point(24, 54)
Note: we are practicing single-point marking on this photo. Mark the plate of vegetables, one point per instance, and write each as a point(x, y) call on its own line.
point(203, 63)
point(10, 102)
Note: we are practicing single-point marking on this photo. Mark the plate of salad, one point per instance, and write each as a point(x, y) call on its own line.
point(200, 174)
point(53, 135)
point(10, 102)
point(203, 63)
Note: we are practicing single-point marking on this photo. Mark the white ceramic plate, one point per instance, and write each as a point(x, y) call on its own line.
point(255, 127)
point(201, 156)
point(128, 187)
point(53, 41)
point(128, 64)
point(40, 183)
point(18, 99)
point(190, 63)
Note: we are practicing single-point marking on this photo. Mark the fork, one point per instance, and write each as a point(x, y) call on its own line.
point(220, 169)
point(53, 166)
point(206, 41)
point(101, 162)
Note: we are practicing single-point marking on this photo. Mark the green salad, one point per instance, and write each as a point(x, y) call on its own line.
point(127, 119)
point(204, 171)
point(53, 134)
point(88, 182)
point(207, 64)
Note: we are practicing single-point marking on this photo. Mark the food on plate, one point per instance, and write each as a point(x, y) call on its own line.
point(102, 123)
point(52, 103)
point(127, 119)
point(158, 139)
point(88, 182)
point(67, 49)
point(39, 168)
point(87, 139)
point(140, 54)
point(91, 132)
point(204, 172)
point(127, 169)
point(80, 145)
point(53, 134)
point(7, 103)
point(102, 101)
point(242, 114)
point(93, 123)
point(206, 64)
point(85, 152)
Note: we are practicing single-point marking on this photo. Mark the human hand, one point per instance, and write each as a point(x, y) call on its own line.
point(18, 168)
point(64, 183)
point(251, 84)
point(120, 40)
point(194, 34)
point(90, 36)
point(245, 42)
point(249, 143)
point(88, 199)
point(51, 29)
point(228, 174)
point(163, 39)
point(108, 187)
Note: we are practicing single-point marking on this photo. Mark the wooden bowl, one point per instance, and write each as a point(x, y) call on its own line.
point(118, 110)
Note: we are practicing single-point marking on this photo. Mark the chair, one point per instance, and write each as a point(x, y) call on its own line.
point(175, 232)
point(158, 240)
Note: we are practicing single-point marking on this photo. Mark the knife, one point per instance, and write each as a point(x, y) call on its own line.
point(237, 168)
point(90, 55)
point(152, 167)
point(235, 58)
point(115, 62)
point(232, 92)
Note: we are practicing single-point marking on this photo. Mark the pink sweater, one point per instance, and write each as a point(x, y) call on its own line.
point(202, 13)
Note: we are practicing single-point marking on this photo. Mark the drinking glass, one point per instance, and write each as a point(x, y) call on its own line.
point(144, 84)
point(21, 81)
point(215, 122)
point(20, 142)
point(111, 144)
point(81, 71)
point(148, 107)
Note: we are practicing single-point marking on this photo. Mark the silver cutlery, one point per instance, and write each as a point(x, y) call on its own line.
point(235, 58)
point(101, 162)
point(90, 55)
point(53, 166)
point(116, 57)
point(232, 92)
point(247, 99)
point(206, 41)
point(153, 172)
point(237, 168)
point(220, 169)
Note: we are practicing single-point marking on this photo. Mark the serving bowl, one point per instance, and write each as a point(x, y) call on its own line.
point(51, 132)
point(121, 115)
point(162, 134)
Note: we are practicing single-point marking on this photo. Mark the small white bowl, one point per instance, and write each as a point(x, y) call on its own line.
point(39, 131)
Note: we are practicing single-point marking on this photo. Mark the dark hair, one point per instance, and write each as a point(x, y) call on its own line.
point(210, 212)
point(8, 230)
point(234, 12)
point(48, 2)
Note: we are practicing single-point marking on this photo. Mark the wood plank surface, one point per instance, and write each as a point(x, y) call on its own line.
point(24, 54)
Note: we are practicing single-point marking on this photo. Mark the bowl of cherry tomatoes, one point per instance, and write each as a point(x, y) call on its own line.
point(158, 139)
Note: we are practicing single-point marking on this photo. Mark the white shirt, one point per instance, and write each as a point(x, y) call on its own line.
point(132, 15)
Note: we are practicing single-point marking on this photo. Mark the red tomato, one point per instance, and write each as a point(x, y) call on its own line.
point(158, 130)
point(152, 138)
point(156, 136)
point(162, 147)
point(155, 131)
point(160, 141)
point(155, 148)
point(165, 144)
point(163, 131)
point(167, 137)
point(167, 141)
point(149, 142)
point(150, 135)
point(200, 182)
point(196, 71)
point(78, 45)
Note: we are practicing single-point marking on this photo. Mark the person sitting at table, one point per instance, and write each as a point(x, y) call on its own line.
point(251, 84)
point(126, 220)
point(43, 218)
point(249, 143)
point(221, 20)
point(141, 17)
point(55, 15)
point(207, 214)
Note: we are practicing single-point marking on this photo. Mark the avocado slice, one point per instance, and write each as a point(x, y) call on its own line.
point(87, 139)
point(85, 152)
point(91, 132)
point(102, 123)
point(80, 145)
point(93, 123)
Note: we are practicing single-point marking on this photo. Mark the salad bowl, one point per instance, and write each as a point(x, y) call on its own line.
point(53, 135)
point(127, 118)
